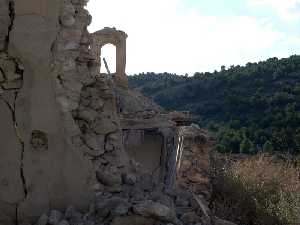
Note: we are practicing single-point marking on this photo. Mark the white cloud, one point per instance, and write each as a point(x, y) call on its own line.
point(166, 37)
point(286, 9)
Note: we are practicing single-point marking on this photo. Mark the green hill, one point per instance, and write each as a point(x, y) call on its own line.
point(250, 108)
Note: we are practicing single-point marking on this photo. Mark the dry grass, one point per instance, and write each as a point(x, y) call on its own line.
point(259, 190)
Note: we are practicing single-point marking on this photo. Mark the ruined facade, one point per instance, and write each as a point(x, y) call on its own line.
point(59, 116)
point(150, 136)
point(77, 141)
point(56, 118)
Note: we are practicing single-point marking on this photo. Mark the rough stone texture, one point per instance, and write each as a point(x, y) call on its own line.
point(55, 217)
point(150, 135)
point(133, 220)
point(108, 179)
point(156, 210)
point(64, 128)
point(190, 218)
point(194, 163)
point(43, 220)
point(40, 163)
point(34, 40)
point(219, 221)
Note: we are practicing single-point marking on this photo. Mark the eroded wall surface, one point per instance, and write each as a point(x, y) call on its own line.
point(58, 123)
point(193, 168)
point(61, 120)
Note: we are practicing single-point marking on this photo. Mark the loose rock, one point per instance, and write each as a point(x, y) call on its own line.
point(55, 217)
point(156, 211)
point(42, 220)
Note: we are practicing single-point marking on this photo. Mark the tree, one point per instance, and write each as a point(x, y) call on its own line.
point(237, 102)
point(246, 146)
point(268, 147)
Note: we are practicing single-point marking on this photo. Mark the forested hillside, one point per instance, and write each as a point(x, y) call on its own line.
point(250, 108)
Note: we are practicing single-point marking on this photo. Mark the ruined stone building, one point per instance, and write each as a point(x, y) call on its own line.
point(67, 131)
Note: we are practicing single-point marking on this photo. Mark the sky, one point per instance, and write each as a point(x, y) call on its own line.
point(188, 36)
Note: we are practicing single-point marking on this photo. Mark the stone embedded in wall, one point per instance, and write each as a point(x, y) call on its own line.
point(11, 73)
point(104, 125)
point(67, 17)
point(35, 38)
point(97, 119)
point(39, 140)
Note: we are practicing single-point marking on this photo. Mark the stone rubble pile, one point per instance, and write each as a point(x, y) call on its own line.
point(128, 200)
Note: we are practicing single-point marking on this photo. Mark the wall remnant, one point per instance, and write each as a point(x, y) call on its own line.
point(150, 134)
point(117, 38)
point(66, 130)
point(194, 163)
point(44, 64)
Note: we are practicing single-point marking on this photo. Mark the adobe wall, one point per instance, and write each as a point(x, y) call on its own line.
point(61, 120)
point(58, 123)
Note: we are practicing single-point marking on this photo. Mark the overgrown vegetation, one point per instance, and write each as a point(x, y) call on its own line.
point(258, 190)
point(250, 108)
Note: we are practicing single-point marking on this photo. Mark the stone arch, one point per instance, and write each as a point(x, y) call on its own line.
point(118, 39)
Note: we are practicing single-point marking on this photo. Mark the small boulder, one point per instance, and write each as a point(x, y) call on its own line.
point(132, 220)
point(158, 196)
point(156, 210)
point(104, 206)
point(55, 217)
point(181, 202)
point(108, 178)
point(104, 125)
point(190, 218)
point(72, 215)
point(88, 115)
point(63, 222)
point(129, 179)
point(42, 220)
point(121, 210)
point(146, 183)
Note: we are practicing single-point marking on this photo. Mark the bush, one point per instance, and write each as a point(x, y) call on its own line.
point(268, 147)
point(246, 146)
point(258, 190)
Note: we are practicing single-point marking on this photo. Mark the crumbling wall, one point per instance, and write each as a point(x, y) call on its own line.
point(12, 187)
point(193, 168)
point(58, 123)
point(61, 134)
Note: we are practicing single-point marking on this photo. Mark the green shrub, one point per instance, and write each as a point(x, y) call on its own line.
point(268, 147)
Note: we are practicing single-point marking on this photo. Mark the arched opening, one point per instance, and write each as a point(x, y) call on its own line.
point(108, 52)
point(110, 44)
